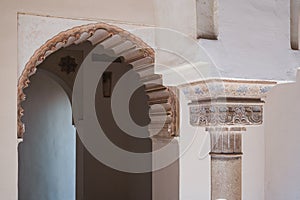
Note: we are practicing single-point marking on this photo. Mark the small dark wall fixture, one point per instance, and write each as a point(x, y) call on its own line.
point(106, 83)
point(68, 64)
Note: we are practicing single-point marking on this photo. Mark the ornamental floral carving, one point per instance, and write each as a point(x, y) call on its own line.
point(229, 88)
point(68, 64)
point(230, 114)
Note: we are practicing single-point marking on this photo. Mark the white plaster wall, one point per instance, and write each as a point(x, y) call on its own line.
point(135, 11)
point(194, 160)
point(8, 115)
point(47, 153)
point(254, 40)
point(34, 31)
point(178, 15)
point(253, 165)
point(253, 44)
point(282, 142)
point(253, 36)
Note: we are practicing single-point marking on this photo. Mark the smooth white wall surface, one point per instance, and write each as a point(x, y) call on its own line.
point(8, 115)
point(47, 153)
point(135, 11)
point(282, 142)
point(253, 166)
point(254, 37)
point(254, 40)
point(194, 161)
point(34, 31)
point(177, 15)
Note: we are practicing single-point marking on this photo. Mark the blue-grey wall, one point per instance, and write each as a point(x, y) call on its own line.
point(47, 154)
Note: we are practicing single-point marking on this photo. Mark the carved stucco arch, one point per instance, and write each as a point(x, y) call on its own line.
point(130, 48)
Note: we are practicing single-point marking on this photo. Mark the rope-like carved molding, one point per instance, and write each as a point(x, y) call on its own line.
point(226, 115)
point(142, 56)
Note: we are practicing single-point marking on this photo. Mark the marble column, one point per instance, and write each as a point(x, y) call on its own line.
point(225, 108)
point(226, 163)
point(226, 121)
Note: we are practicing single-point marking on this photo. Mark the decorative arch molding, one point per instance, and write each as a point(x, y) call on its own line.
point(130, 49)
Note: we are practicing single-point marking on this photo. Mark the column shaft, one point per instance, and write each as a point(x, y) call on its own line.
point(226, 177)
point(226, 164)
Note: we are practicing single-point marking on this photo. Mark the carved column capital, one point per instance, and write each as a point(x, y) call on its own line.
point(226, 114)
point(226, 103)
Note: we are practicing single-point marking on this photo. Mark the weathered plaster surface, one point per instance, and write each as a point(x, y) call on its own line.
point(254, 40)
point(176, 14)
point(34, 31)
